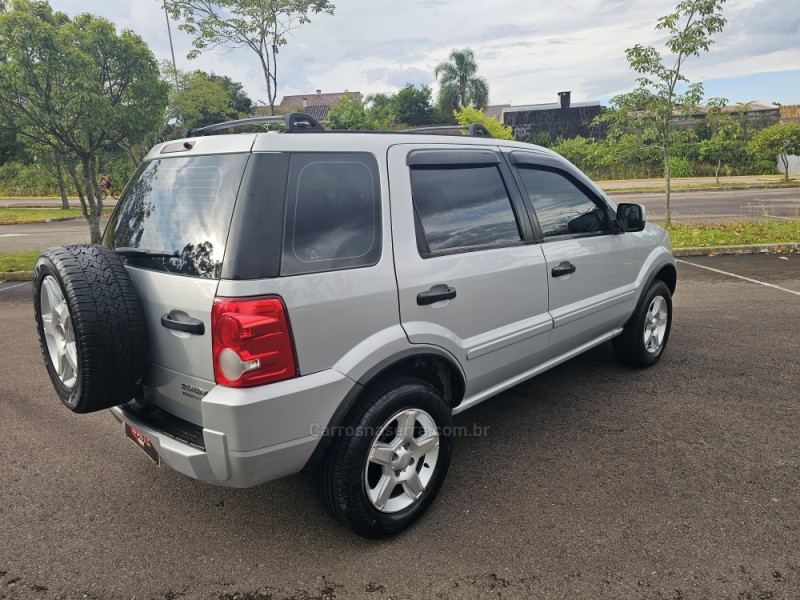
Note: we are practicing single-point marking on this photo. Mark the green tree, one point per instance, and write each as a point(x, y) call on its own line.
point(204, 98)
point(77, 86)
point(663, 91)
point(350, 113)
point(469, 115)
point(459, 84)
point(725, 144)
point(779, 141)
point(414, 106)
point(262, 26)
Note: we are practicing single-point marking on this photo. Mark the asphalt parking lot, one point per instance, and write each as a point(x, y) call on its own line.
point(594, 481)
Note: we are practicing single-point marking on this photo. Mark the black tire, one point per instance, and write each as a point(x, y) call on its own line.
point(106, 323)
point(341, 474)
point(630, 345)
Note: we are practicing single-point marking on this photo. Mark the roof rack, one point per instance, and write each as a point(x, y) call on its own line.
point(295, 122)
point(475, 130)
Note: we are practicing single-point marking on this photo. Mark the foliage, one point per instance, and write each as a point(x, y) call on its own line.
point(414, 106)
point(262, 26)
point(778, 141)
point(77, 86)
point(459, 84)
point(203, 98)
point(662, 88)
point(468, 116)
point(350, 113)
point(680, 167)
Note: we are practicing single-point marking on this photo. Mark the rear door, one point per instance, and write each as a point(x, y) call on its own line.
point(469, 279)
point(591, 270)
point(172, 225)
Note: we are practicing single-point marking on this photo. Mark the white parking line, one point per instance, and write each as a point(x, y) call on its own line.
point(11, 287)
point(14, 234)
point(764, 283)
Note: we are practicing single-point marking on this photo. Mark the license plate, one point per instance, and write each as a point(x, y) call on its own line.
point(143, 442)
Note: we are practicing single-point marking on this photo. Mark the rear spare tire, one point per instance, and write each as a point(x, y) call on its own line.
point(90, 325)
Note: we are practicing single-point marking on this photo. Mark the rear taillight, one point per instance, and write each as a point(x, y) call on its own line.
point(252, 342)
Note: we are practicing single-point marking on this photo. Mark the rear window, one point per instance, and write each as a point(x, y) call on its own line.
point(179, 210)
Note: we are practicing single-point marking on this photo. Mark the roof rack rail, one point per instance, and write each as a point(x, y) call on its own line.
point(475, 130)
point(295, 122)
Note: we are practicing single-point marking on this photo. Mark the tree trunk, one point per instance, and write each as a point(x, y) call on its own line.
point(785, 161)
point(719, 166)
point(667, 190)
point(61, 187)
point(78, 187)
point(93, 199)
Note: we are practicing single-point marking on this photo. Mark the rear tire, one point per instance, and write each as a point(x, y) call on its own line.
point(90, 326)
point(386, 466)
point(645, 336)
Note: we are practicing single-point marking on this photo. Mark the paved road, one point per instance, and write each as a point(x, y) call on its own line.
point(686, 206)
point(715, 206)
point(594, 481)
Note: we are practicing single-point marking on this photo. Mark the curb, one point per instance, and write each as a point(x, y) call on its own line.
point(746, 249)
point(17, 276)
point(35, 221)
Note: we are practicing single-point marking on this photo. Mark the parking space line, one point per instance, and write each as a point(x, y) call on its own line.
point(11, 287)
point(764, 283)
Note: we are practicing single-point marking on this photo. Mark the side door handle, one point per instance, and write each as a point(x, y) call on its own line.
point(565, 268)
point(436, 294)
point(195, 326)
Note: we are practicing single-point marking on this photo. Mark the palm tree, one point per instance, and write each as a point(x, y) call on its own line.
point(459, 86)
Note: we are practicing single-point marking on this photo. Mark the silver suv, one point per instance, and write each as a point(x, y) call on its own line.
point(265, 303)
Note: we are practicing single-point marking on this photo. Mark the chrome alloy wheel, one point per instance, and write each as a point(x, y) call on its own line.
point(655, 325)
point(58, 332)
point(402, 460)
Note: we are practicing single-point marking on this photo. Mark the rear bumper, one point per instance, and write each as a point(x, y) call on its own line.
point(249, 436)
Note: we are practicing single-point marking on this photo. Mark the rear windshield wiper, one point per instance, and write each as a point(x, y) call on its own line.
point(144, 252)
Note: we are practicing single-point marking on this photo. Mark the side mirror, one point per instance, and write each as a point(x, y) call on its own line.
point(630, 217)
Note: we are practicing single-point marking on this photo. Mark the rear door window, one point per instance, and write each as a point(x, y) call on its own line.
point(333, 216)
point(179, 210)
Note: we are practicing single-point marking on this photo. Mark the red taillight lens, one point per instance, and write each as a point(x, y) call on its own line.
point(252, 342)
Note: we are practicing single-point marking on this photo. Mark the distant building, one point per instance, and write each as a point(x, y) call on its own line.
point(758, 115)
point(317, 105)
point(564, 118)
point(790, 113)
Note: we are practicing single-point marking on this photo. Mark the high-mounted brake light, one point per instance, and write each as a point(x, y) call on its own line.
point(251, 341)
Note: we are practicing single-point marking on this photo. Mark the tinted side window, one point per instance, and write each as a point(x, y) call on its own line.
point(333, 213)
point(561, 207)
point(463, 207)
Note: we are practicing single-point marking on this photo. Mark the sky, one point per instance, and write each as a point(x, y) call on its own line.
point(528, 50)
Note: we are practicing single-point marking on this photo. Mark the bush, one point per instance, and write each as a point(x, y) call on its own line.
point(29, 179)
point(680, 167)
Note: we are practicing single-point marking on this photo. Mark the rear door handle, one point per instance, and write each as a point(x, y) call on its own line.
point(565, 268)
point(195, 326)
point(436, 294)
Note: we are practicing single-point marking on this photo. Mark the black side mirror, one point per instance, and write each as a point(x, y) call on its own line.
point(630, 217)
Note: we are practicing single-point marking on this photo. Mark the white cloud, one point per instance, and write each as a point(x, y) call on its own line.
point(527, 50)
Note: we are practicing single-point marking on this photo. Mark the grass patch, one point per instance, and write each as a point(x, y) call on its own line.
point(9, 216)
point(18, 261)
point(709, 235)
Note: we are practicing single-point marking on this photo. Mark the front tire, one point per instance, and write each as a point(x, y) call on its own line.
point(645, 336)
point(388, 463)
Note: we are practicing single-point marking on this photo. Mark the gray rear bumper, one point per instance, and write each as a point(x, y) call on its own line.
point(251, 435)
